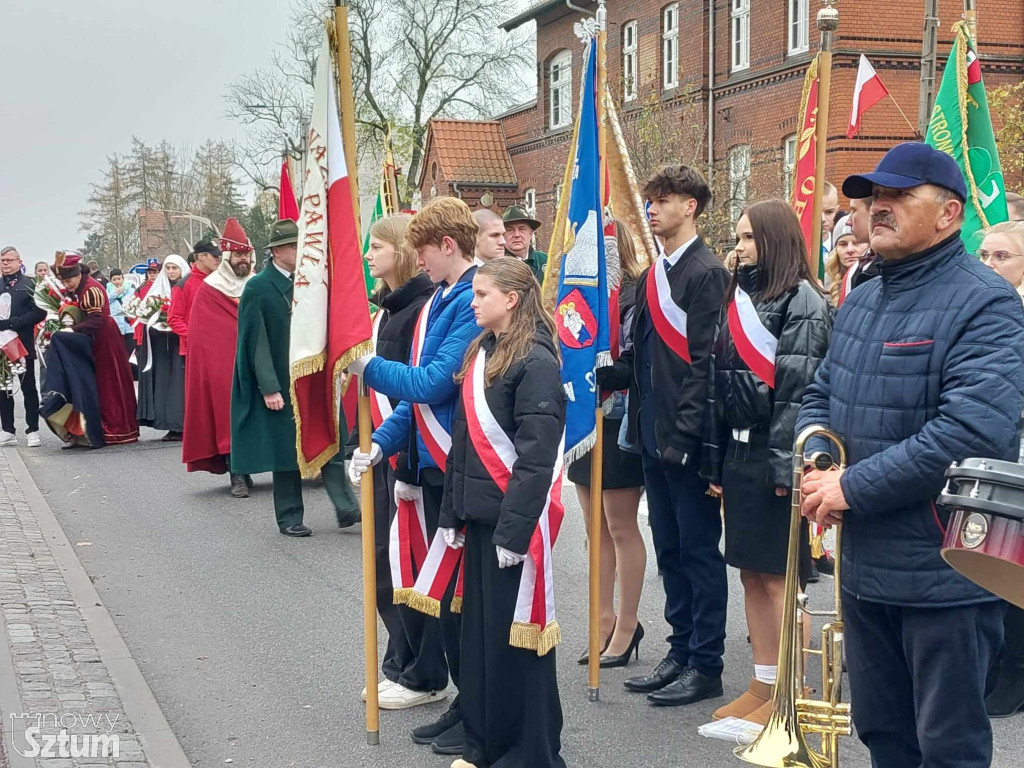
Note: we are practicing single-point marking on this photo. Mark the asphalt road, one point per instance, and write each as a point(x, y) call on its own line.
point(252, 642)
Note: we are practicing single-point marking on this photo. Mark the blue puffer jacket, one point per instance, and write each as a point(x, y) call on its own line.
point(450, 329)
point(926, 367)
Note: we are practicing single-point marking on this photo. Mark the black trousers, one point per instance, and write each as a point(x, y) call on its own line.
point(30, 393)
point(510, 703)
point(414, 656)
point(917, 681)
point(686, 526)
point(432, 482)
point(288, 506)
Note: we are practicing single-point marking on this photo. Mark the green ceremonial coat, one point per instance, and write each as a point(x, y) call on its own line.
point(263, 440)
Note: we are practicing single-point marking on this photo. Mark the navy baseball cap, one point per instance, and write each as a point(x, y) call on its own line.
point(907, 165)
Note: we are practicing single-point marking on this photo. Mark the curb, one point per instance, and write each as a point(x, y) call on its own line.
point(159, 743)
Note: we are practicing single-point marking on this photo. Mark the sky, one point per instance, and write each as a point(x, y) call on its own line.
point(78, 78)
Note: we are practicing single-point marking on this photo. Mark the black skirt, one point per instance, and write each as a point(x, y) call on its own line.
point(621, 468)
point(161, 403)
point(756, 520)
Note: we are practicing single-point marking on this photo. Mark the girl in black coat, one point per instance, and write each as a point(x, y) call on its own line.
point(414, 665)
point(773, 333)
point(502, 485)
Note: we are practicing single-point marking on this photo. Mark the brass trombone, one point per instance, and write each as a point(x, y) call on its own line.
point(783, 743)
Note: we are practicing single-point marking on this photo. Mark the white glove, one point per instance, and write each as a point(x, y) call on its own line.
point(453, 538)
point(363, 461)
point(357, 366)
point(507, 558)
point(405, 492)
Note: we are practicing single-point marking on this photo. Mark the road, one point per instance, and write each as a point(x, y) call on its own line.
point(252, 642)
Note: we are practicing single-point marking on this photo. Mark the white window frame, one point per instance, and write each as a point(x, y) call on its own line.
point(530, 201)
point(788, 164)
point(670, 47)
point(740, 34)
point(560, 91)
point(629, 61)
point(798, 28)
point(739, 179)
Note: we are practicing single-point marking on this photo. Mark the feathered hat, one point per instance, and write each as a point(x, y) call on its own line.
point(67, 264)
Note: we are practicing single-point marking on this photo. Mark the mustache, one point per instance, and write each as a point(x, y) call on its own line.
point(883, 218)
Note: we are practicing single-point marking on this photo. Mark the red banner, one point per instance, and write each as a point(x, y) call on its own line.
point(287, 207)
point(804, 165)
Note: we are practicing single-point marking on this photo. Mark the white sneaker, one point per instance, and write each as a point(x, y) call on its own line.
point(8, 438)
point(400, 697)
point(382, 686)
point(460, 763)
point(33, 440)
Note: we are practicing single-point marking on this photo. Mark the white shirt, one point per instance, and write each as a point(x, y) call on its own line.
point(672, 258)
point(284, 272)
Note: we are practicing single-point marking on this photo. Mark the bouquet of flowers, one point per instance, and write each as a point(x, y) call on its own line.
point(49, 295)
point(13, 360)
point(64, 318)
point(153, 311)
point(131, 307)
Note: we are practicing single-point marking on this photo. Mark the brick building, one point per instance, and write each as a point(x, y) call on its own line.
point(658, 63)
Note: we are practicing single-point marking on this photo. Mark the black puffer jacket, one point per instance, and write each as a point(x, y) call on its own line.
point(401, 308)
point(529, 404)
point(739, 399)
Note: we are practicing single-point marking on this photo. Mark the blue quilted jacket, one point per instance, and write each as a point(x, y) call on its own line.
point(926, 367)
point(450, 329)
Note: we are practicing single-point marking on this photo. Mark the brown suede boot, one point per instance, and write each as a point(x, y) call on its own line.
point(756, 696)
point(761, 714)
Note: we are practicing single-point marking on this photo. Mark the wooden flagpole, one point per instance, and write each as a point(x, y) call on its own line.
point(597, 452)
point(828, 22)
point(346, 104)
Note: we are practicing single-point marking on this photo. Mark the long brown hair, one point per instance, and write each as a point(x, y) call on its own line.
point(631, 268)
point(511, 275)
point(781, 251)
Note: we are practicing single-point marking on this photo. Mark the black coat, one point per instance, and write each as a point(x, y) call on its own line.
point(529, 404)
point(739, 399)
point(698, 282)
point(24, 312)
point(401, 308)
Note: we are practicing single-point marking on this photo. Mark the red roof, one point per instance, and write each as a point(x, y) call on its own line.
point(471, 151)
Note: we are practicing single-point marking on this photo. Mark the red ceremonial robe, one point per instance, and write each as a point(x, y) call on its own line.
point(209, 368)
point(113, 373)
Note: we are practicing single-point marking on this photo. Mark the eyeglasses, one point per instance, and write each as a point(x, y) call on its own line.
point(996, 256)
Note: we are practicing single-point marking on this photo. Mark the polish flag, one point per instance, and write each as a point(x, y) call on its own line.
point(287, 206)
point(866, 93)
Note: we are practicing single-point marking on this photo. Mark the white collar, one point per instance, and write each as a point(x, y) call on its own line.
point(678, 252)
point(282, 271)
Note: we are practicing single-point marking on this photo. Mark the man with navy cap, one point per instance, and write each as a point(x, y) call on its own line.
point(926, 367)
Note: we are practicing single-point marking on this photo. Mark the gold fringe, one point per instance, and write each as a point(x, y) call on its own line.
point(529, 636)
point(963, 42)
point(817, 547)
point(456, 604)
point(424, 604)
point(809, 78)
point(402, 596)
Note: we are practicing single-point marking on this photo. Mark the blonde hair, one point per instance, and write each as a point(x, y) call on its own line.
point(511, 275)
point(1011, 229)
point(392, 230)
point(835, 272)
point(444, 217)
point(627, 251)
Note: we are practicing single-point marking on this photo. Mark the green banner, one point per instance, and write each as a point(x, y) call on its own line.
point(961, 127)
point(378, 213)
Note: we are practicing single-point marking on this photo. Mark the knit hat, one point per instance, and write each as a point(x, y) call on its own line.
point(234, 237)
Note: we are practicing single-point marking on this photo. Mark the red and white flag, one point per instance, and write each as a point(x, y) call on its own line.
point(330, 322)
point(287, 206)
point(868, 91)
point(754, 342)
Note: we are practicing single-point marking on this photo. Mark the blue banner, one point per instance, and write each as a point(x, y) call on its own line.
point(581, 313)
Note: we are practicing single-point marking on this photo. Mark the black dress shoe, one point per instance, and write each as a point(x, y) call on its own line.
point(609, 661)
point(298, 530)
point(666, 672)
point(238, 487)
point(347, 519)
point(426, 734)
point(689, 687)
point(1008, 697)
point(451, 742)
point(584, 659)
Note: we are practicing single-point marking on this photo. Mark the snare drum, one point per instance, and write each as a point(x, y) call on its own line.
point(985, 535)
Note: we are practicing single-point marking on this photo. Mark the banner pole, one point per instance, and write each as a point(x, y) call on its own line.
point(828, 22)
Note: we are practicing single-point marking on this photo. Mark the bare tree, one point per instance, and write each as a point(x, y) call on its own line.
point(112, 216)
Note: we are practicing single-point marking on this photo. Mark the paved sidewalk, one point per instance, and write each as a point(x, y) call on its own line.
point(63, 665)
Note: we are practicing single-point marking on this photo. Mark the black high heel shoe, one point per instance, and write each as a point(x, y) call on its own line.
point(585, 658)
point(607, 662)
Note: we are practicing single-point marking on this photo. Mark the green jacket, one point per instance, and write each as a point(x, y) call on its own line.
point(536, 260)
point(263, 440)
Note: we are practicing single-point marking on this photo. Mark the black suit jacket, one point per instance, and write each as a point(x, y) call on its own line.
point(24, 312)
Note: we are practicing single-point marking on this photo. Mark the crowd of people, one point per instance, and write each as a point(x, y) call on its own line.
point(911, 349)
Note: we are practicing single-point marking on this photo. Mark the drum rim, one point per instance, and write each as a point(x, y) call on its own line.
point(956, 502)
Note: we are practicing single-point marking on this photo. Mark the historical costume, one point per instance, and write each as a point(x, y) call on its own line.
point(184, 294)
point(213, 338)
point(262, 439)
point(110, 360)
point(161, 367)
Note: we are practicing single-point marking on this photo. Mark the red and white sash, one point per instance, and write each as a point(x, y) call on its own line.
point(435, 436)
point(380, 404)
point(407, 549)
point(533, 625)
point(668, 318)
point(435, 576)
point(754, 342)
point(847, 285)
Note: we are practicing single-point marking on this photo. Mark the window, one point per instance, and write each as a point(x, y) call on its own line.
point(739, 178)
point(560, 90)
point(629, 60)
point(798, 25)
point(670, 46)
point(558, 195)
point(788, 164)
point(530, 202)
point(740, 34)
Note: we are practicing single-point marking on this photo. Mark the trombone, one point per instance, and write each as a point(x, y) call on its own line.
point(783, 743)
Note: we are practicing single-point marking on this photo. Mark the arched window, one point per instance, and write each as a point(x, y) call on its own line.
point(560, 90)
